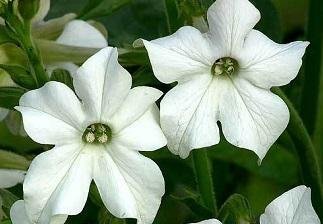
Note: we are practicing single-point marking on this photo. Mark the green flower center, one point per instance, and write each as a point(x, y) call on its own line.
point(225, 66)
point(97, 134)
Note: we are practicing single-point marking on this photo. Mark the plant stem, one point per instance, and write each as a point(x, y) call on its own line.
point(34, 59)
point(312, 64)
point(203, 174)
point(309, 162)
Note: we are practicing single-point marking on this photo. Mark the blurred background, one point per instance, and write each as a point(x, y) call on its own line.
point(234, 170)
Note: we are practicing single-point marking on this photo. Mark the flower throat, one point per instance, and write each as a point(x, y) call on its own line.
point(97, 134)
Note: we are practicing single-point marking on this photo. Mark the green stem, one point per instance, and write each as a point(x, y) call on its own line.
point(312, 64)
point(34, 59)
point(309, 162)
point(203, 173)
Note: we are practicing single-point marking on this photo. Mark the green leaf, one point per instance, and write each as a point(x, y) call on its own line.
point(4, 37)
point(236, 210)
point(173, 16)
point(99, 8)
point(20, 76)
point(10, 160)
point(63, 76)
point(105, 217)
point(269, 23)
point(133, 56)
point(9, 96)
point(8, 199)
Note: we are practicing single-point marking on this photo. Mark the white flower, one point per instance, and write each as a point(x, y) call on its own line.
point(224, 75)
point(10, 178)
point(97, 134)
point(292, 207)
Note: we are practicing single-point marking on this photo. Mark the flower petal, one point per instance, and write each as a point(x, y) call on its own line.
point(251, 117)
point(230, 21)
point(139, 101)
point(43, 10)
point(292, 207)
point(49, 114)
point(209, 221)
point(144, 134)
point(64, 175)
point(81, 34)
point(189, 115)
point(11, 177)
point(266, 63)
point(178, 56)
point(131, 185)
point(18, 215)
point(102, 83)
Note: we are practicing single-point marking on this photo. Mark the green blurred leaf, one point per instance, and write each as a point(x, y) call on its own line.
point(9, 96)
point(105, 217)
point(10, 160)
point(269, 23)
point(99, 8)
point(4, 38)
point(28, 8)
point(173, 15)
point(20, 76)
point(133, 56)
point(63, 76)
point(236, 210)
point(8, 199)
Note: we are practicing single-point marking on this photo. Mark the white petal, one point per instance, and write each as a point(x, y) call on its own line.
point(230, 21)
point(131, 185)
point(81, 34)
point(102, 83)
point(62, 176)
point(44, 6)
point(209, 221)
point(52, 114)
point(181, 55)
point(251, 117)
point(266, 63)
point(11, 177)
point(18, 213)
point(189, 115)
point(139, 101)
point(292, 207)
point(144, 134)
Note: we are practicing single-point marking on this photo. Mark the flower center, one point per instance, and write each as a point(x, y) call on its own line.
point(224, 66)
point(97, 133)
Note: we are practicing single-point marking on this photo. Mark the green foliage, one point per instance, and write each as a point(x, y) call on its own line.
point(10, 160)
point(28, 8)
point(20, 76)
point(63, 76)
point(9, 96)
point(236, 210)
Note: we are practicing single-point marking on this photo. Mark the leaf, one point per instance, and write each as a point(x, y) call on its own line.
point(20, 76)
point(132, 56)
point(9, 96)
point(236, 210)
point(4, 38)
point(10, 160)
point(99, 8)
point(269, 23)
point(105, 217)
point(173, 16)
point(8, 199)
point(63, 76)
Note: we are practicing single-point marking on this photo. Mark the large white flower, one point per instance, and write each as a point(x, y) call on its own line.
point(224, 75)
point(97, 135)
point(292, 207)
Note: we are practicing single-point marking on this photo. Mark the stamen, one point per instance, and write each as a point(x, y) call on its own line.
point(97, 133)
point(224, 66)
